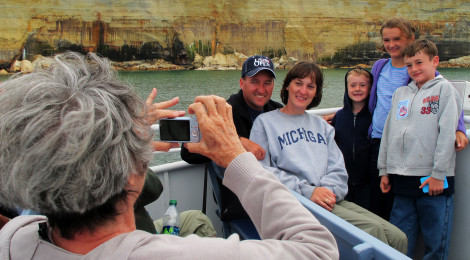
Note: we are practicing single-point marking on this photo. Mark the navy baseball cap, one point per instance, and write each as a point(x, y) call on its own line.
point(255, 64)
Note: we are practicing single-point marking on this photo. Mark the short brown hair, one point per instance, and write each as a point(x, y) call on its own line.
point(359, 71)
point(425, 46)
point(300, 71)
point(404, 25)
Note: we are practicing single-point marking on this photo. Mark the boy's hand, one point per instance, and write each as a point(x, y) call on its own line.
point(385, 185)
point(461, 140)
point(436, 186)
point(324, 197)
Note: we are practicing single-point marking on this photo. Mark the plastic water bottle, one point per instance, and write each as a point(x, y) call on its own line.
point(171, 220)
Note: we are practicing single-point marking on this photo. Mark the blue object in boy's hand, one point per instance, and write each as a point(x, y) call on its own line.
point(426, 187)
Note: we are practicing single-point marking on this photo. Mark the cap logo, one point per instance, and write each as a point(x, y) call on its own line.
point(255, 64)
point(261, 62)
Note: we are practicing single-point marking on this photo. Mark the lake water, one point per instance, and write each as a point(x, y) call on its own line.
point(188, 84)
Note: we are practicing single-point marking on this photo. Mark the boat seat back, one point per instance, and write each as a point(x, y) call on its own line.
point(463, 87)
point(244, 227)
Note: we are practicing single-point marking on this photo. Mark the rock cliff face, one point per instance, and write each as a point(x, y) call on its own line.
point(178, 30)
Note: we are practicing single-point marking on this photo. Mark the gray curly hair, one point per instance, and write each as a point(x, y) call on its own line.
point(70, 136)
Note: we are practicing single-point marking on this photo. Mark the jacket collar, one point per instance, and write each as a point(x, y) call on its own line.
point(428, 84)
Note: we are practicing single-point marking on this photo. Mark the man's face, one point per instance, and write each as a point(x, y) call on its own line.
point(257, 90)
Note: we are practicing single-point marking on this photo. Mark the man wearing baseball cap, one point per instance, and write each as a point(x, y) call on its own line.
point(253, 99)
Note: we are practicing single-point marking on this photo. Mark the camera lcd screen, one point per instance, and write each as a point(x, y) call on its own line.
point(174, 130)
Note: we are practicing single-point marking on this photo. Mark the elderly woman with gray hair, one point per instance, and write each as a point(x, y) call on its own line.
point(75, 145)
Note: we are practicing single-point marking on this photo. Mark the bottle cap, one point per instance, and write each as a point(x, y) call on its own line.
point(173, 202)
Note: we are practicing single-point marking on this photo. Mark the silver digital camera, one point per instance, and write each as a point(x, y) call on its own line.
point(180, 130)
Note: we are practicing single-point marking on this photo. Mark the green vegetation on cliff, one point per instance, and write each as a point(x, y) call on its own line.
point(359, 53)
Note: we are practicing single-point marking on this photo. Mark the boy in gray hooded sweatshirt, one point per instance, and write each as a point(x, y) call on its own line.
point(418, 142)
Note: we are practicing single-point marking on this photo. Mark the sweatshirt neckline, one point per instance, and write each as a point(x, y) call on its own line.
point(429, 83)
point(290, 115)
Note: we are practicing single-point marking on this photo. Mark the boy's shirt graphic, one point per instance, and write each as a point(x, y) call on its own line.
point(403, 109)
point(430, 106)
